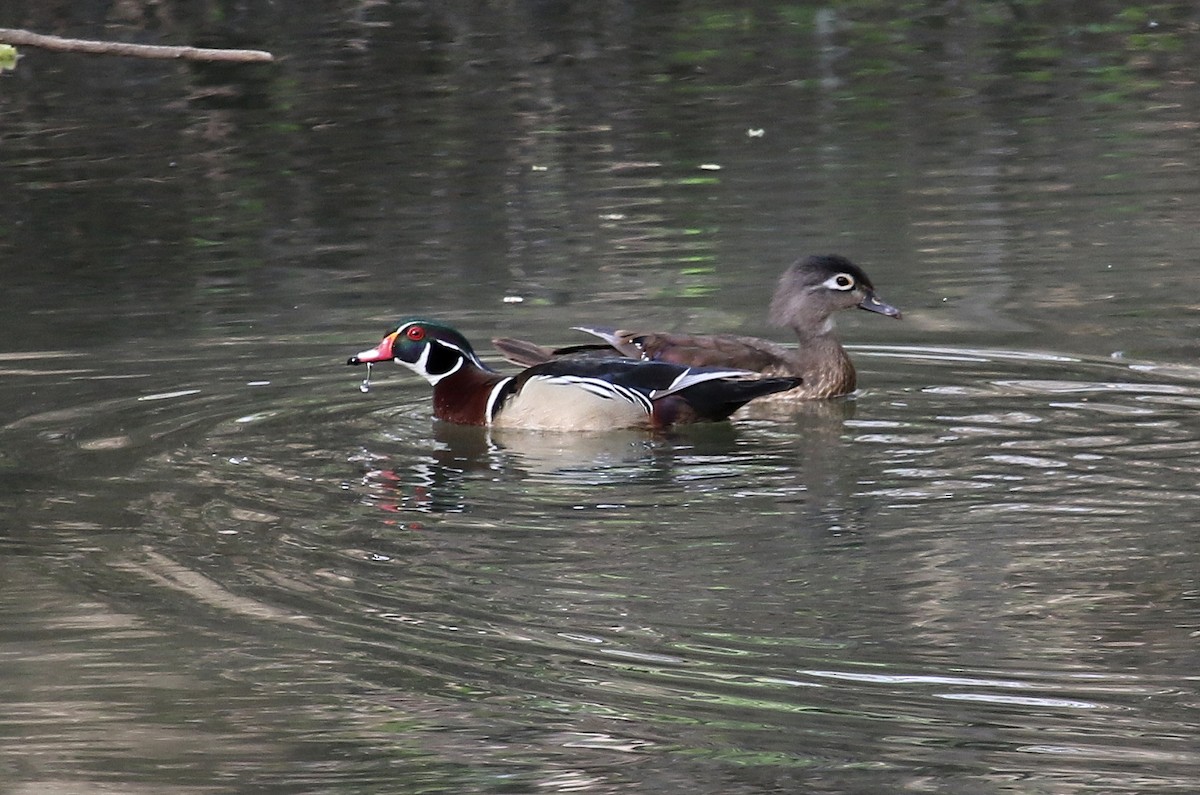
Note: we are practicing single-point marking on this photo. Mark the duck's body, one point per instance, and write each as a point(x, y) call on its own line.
point(565, 394)
point(809, 293)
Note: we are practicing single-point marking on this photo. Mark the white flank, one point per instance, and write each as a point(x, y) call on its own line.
point(574, 403)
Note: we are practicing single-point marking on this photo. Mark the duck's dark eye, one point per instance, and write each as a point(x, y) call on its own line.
point(415, 333)
point(842, 281)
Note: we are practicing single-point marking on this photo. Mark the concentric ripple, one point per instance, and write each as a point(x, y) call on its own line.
point(981, 565)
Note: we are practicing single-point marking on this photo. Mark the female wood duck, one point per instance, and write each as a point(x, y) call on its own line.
point(808, 295)
point(565, 394)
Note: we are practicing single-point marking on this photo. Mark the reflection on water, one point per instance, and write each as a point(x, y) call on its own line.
point(963, 568)
point(226, 569)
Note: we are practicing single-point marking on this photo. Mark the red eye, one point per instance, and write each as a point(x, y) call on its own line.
point(415, 333)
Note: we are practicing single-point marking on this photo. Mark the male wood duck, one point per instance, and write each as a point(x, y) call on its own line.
point(808, 294)
point(569, 393)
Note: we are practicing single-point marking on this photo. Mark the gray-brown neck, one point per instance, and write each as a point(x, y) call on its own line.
point(803, 313)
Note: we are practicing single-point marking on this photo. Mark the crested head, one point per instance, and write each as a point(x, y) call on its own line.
point(815, 287)
point(426, 347)
point(820, 267)
point(420, 331)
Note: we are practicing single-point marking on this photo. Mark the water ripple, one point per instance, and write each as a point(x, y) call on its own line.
point(858, 583)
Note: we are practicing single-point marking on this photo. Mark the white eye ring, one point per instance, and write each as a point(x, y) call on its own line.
point(842, 281)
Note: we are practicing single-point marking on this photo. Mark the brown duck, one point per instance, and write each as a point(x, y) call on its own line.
point(808, 295)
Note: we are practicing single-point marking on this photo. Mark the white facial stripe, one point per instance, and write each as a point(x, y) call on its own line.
point(840, 281)
point(434, 379)
point(465, 355)
point(421, 365)
point(418, 366)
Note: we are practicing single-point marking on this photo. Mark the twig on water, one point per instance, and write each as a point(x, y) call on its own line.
point(94, 47)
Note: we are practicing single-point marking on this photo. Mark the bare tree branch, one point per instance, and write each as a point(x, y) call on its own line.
point(91, 46)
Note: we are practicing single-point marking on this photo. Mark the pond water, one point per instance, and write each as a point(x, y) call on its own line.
point(223, 568)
